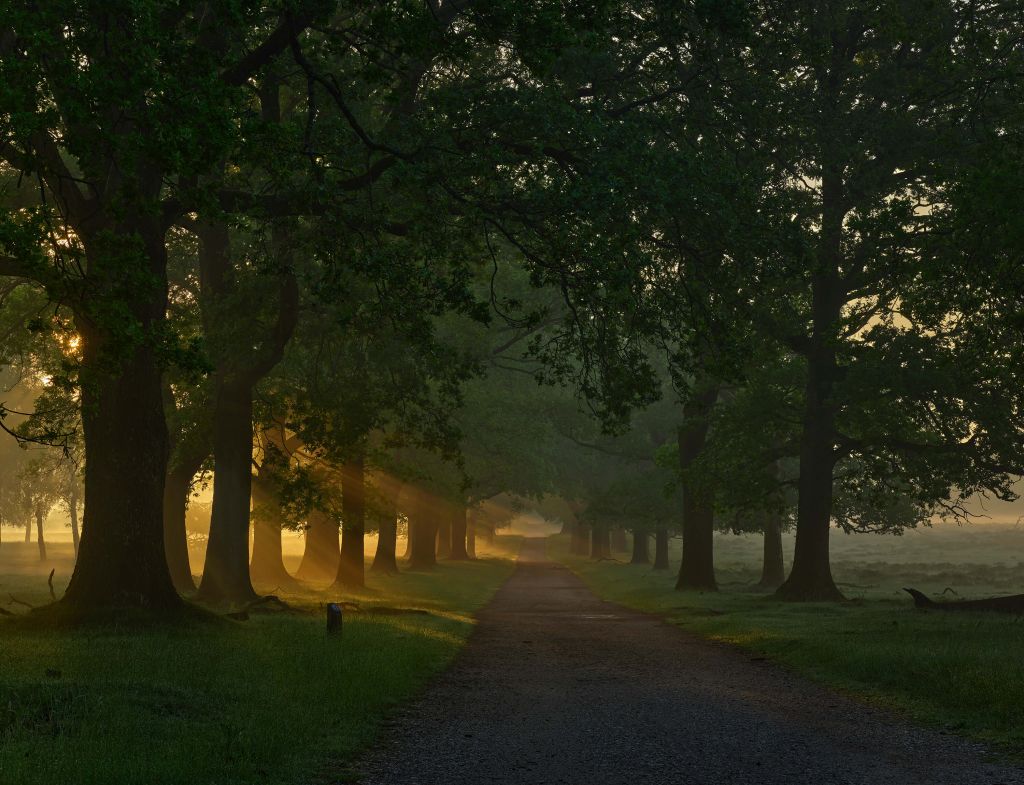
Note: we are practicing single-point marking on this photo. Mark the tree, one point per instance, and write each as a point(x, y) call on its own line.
point(97, 242)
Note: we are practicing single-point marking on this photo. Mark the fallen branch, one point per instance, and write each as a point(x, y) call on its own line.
point(16, 601)
point(1011, 604)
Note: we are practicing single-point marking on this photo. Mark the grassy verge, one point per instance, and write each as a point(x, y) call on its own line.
point(270, 700)
point(960, 672)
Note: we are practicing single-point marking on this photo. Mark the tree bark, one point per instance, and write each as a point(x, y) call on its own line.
point(811, 575)
point(773, 571)
point(175, 505)
point(322, 552)
point(661, 548)
point(121, 559)
point(697, 569)
point(641, 547)
point(471, 536)
point(266, 567)
point(76, 537)
point(459, 528)
point(239, 368)
point(28, 531)
point(580, 544)
point(600, 542)
point(444, 529)
point(619, 542)
point(39, 534)
point(351, 564)
point(384, 559)
point(407, 552)
point(226, 572)
point(422, 531)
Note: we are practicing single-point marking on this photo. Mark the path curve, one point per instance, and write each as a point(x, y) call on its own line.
point(557, 686)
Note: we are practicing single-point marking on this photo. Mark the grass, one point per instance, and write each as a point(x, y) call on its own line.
point(960, 672)
point(270, 700)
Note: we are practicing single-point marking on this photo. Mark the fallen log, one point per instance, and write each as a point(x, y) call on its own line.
point(1011, 604)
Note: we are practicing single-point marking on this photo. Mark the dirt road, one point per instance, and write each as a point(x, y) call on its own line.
point(556, 686)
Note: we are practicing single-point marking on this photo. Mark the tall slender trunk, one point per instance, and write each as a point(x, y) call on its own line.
point(641, 547)
point(661, 548)
point(384, 559)
point(266, 566)
point(121, 559)
point(773, 571)
point(619, 542)
point(459, 531)
point(321, 555)
point(175, 505)
point(422, 531)
point(39, 533)
point(444, 529)
point(407, 551)
point(73, 512)
point(697, 569)
point(226, 572)
point(28, 530)
point(811, 574)
point(351, 564)
point(580, 544)
point(600, 542)
point(471, 535)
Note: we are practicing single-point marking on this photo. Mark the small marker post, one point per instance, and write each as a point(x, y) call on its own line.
point(334, 618)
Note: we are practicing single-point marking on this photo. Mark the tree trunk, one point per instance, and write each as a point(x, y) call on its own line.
point(641, 548)
point(351, 564)
point(697, 569)
point(600, 542)
point(387, 541)
point(444, 529)
point(322, 552)
point(459, 531)
point(28, 531)
point(661, 548)
point(266, 567)
point(580, 544)
point(811, 575)
point(773, 570)
point(471, 536)
point(121, 558)
point(226, 572)
point(73, 511)
point(39, 533)
point(407, 553)
point(176, 490)
point(422, 531)
point(619, 543)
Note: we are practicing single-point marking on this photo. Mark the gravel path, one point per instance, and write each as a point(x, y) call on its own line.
point(556, 686)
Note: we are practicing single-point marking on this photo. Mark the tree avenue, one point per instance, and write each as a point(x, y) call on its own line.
point(392, 275)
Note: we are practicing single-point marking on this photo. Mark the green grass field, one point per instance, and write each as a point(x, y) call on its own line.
point(960, 672)
point(269, 700)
